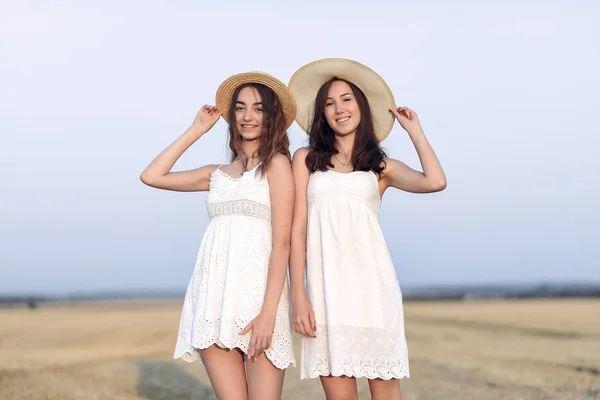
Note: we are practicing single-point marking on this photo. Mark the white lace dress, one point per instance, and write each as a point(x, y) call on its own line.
point(228, 284)
point(351, 283)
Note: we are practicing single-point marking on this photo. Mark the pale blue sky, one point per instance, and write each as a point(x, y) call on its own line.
point(508, 96)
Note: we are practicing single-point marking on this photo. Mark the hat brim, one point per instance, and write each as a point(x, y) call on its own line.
point(306, 82)
point(228, 87)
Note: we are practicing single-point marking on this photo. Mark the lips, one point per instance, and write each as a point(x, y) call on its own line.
point(342, 120)
point(249, 126)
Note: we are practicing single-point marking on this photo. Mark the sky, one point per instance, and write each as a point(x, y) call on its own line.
point(91, 92)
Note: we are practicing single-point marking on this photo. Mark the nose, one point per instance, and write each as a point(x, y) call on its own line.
point(338, 108)
point(248, 115)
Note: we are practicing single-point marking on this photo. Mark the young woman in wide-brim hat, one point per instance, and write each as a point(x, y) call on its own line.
point(351, 313)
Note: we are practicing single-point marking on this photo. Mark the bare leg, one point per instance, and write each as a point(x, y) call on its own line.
point(340, 387)
point(265, 381)
point(385, 389)
point(226, 372)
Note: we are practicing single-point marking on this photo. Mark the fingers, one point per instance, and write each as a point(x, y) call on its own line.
point(396, 112)
point(403, 112)
point(308, 329)
point(216, 113)
point(299, 327)
point(257, 350)
point(296, 328)
point(409, 113)
point(247, 328)
point(252, 348)
point(258, 346)
point(211, 110)
point(305, 326)
point(312, 320)
point(258, 343)
point(262, 346)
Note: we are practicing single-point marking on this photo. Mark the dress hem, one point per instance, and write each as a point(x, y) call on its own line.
point(191, 357)
point(336, 375)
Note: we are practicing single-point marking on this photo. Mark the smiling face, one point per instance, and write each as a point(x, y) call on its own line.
point(341, 108)
point(342, 111)
point(249, 113)
point(257, 125)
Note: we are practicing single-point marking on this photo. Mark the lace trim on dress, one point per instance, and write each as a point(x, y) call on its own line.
point(239, 207)
point(359, 352)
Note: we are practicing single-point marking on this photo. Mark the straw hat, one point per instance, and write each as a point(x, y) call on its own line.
point(227, 89)
point(306, 82)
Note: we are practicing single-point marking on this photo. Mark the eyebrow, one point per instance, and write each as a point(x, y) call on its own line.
point(259, 103)
point(345, 94)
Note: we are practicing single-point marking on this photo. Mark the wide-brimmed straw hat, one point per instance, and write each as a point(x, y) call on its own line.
point(227, 89)
point(306, 82)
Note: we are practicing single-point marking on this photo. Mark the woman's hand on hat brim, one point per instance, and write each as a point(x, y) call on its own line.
point(206, 118)
point(407, 118)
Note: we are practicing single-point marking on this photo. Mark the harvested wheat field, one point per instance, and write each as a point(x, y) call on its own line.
point(538, 349)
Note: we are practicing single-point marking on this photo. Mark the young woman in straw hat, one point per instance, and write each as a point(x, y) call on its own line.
point(236, 306)
point(352, 317)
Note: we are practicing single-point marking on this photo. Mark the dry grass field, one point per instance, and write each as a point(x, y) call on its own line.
point(538, 349)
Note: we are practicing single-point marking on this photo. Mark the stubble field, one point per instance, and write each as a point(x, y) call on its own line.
point(526, 349)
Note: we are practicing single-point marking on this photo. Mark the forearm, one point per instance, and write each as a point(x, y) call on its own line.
point(432, 169)
point(276, 278)
point(297, 264)
point(165, 161)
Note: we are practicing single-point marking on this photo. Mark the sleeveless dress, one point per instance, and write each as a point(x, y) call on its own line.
point(351, 282)
point(227, 287)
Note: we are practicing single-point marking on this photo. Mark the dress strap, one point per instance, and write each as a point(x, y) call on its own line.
point(218, 168)
point(215, 171)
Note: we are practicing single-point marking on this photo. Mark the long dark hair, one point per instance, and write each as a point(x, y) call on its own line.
point(273, 139)
point(367, 154)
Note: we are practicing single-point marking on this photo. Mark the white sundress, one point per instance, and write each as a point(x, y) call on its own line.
point(227, 287)
point(351, 282)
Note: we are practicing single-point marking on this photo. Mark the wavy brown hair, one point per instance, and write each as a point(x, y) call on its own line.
point(367, 154)
point(273, 139)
